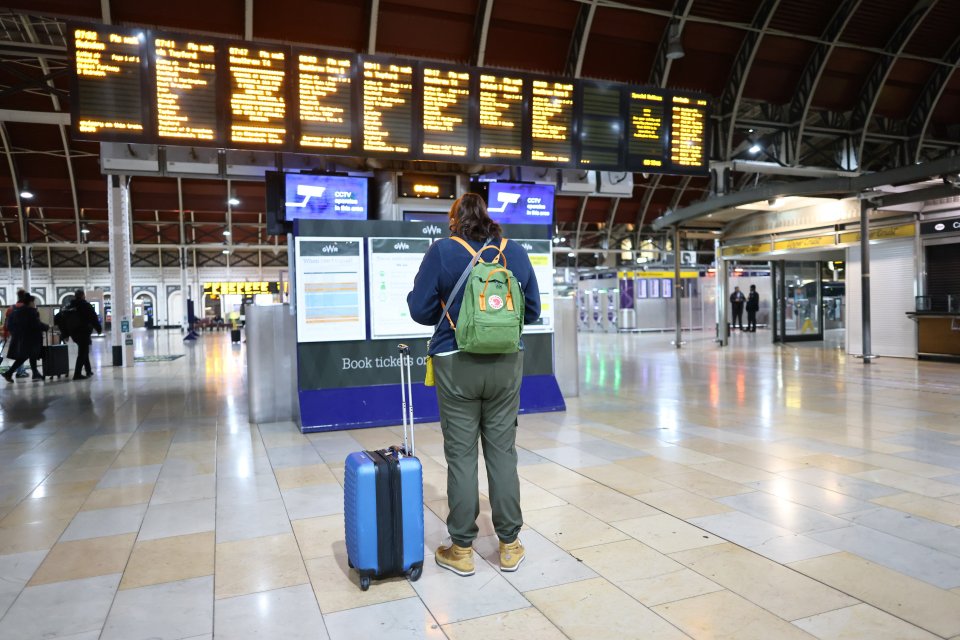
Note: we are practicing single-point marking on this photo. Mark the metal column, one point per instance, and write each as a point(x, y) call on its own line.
point(678, 341)
point(121, 300)
point(26, 263)
point(721, 301)
point(865, 208)
point(185, 313)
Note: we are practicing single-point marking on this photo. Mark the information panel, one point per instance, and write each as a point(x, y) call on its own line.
point(551, 118)
point(109, 78)
point(647, 137)
point(161, 88)
point(446, 113)
point(258, 102)
point(501, 117)
point(186, 89)
point(331, 289)
point(541, 257)
point(322, 197)
point(394, 263)
point(688, 123)
point(601, 126)
point(323, 98)
point(387, 107)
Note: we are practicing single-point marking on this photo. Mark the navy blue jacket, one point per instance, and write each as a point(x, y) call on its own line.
point(442, 266)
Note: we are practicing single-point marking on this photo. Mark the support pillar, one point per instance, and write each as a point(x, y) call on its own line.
point(26, 264)
point(865, 208)
point(723, 327)
point(121, 299)
point(677, 286)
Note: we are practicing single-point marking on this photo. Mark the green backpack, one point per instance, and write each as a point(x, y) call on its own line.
point(491, 315)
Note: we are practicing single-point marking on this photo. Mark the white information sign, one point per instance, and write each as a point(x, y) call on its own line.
point(330, 283)
point(541, 257)
point(394, 263)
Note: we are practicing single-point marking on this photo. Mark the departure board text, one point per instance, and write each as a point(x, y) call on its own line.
point(647, 138)
point(186, 89)
point(258, 105)
point(324, 102)
point(109, 70)
point(501, 117)
point(687, 129)
point(551, 115)
point(387, 107)
point(446, 110)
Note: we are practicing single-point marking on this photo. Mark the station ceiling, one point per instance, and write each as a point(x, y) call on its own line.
point(833, 84)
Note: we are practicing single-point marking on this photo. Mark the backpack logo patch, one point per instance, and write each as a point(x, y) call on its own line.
point(496, 303)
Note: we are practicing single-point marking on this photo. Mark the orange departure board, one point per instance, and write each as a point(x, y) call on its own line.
point(551, 117)
point(110, 76)
point(258, 103)
point(501, 117)
point(387, 107)
point(688, 124)
point(186, 72)
point(446, 112)
point(324, 98)
point(154, 87)
point(647, 132)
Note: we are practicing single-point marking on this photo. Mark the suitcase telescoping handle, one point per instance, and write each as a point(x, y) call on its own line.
point(406, 393)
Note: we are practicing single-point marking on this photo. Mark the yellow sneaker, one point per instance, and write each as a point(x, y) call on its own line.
point(457, 559)
point(511, 555)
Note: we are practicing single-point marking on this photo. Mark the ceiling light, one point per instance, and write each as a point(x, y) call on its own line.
point(755, 149)
point(226, 233)
point(226, 252)
point(26, 194)
point(84, 231)
point(233, 201)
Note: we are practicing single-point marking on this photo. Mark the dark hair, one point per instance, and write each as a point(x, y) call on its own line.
point(27, 299)
point(79, 294)
point(753, 287)
point(22, 296)
point(469, 219)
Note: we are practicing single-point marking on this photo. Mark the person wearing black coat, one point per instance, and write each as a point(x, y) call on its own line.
point(86, 322)
point(736, 301)
point(26, 339)
point(753, 305)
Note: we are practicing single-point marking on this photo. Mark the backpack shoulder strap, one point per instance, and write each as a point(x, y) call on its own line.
point(465, 244)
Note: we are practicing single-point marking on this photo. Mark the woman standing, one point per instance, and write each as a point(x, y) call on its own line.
point(478, 394)
point(26, 337)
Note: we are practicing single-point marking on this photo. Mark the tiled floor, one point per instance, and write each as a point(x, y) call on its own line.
point(750, 492)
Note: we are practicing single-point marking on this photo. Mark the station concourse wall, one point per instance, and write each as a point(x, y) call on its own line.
point(52, 284)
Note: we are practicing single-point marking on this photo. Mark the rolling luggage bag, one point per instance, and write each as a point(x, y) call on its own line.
point(235, 336)
point(383, 502)
point(55, 359)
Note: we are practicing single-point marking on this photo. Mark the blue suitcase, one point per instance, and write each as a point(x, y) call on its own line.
point(383, 503)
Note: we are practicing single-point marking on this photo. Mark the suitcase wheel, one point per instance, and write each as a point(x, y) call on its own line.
point(415, 572)
point(364, 583)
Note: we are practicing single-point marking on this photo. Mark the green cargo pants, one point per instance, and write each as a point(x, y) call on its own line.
point(479, 396)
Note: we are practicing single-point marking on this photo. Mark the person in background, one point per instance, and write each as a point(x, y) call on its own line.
point(753, 305)
point(736, 300)
point(478, 394)
point(27, 337)
point(21, 296)
point(81, 326)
